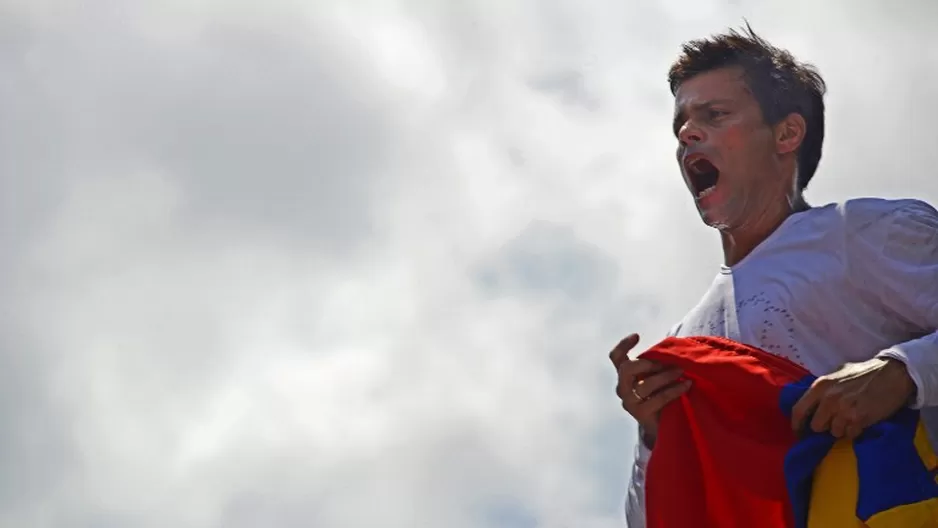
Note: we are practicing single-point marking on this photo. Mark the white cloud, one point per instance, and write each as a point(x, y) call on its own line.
point(334, 265)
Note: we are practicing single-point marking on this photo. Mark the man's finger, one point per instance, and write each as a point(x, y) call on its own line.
point(852, 431)
point(639, 368)
point(629, 370)
point(621, 351)
point(804, 408)
point(827, 409)
point(648, 386)
point(665, 396)
point(839, 426)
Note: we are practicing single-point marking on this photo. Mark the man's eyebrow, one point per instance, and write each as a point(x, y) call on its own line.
point(681, 114)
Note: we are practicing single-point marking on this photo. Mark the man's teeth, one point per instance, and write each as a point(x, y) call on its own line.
point(706, 192)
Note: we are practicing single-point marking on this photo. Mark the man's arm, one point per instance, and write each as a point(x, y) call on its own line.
point(892, 255)
point(905, 278)
point(635, 501)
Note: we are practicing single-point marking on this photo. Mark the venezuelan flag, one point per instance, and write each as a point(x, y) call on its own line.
point(726, 456)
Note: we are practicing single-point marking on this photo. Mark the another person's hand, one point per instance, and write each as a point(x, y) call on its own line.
point(855, 397)
point(645, 387)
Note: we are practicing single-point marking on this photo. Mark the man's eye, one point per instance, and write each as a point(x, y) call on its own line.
point(714, 114)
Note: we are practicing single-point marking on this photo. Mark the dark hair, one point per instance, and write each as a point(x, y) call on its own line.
point(780, 84)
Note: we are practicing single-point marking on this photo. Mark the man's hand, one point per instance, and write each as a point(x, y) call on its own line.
point(855, 397)
point(644, 387)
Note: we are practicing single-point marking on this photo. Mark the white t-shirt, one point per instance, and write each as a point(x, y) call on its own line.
point(834, 284)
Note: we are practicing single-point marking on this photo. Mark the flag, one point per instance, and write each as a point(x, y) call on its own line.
point(726, 456)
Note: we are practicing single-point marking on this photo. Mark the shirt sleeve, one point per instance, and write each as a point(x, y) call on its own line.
point(635, 501)
point(904, 276)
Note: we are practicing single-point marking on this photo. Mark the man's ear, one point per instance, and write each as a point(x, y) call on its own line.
point(789, 133)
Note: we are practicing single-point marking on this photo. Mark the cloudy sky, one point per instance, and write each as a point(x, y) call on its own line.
point(360, 263)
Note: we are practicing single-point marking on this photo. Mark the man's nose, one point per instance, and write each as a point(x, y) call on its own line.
point(690, 134)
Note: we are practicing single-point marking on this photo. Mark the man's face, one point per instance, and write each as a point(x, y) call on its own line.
point(726, 150)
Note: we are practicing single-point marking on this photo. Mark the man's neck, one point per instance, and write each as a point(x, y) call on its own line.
point(739, 243)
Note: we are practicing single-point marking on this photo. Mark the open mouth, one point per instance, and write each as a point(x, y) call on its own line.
point(703, 175)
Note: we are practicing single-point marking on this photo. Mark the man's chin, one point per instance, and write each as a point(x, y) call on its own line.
point(713, 217)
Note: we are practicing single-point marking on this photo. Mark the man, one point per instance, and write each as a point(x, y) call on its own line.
point(849, 291)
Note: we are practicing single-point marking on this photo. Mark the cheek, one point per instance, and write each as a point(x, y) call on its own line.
point(742, 145)
point(734, 138)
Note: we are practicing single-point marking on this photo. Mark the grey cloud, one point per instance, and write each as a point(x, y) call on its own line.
point(263, 136)
point(552, 264)
point(32, 147)
point(547, 258)
point(269, 128)
point(36, 447)
point(274, 134)
point(508, 514)
point(569, 87)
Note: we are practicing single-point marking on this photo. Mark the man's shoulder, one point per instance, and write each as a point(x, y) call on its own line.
point(872, 208)
point(904, 230)
point(862, 214)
